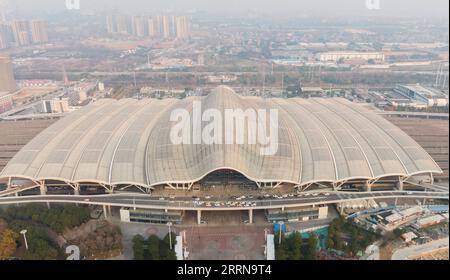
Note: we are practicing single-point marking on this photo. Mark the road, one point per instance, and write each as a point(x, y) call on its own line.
point(373, 252)
point(146, 201)
point(416, 250)
point(431, 187)
point(415, 114)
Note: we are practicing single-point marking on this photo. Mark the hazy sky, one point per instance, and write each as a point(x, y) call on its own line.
point(276, 8)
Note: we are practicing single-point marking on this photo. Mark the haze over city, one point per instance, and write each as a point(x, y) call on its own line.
point(274, 9)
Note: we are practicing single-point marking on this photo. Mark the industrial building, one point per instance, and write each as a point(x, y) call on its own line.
point(424, 95)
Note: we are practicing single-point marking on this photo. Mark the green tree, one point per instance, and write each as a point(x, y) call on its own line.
point(164, 249)
point(330, 242)
point(40, 249)
point(138, 247)
point(280, 249)
point(153, 248)
point(311, 247)
point(294, 244)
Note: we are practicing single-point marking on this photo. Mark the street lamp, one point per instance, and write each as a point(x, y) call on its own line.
point(280, 223)
point(169, 224)
point(24, 232)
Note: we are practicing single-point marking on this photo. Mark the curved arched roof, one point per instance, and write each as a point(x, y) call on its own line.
point(128, 142)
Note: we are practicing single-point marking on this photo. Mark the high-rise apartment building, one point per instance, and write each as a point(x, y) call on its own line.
point(7, 82)
point(182, 27)
point(39, 33)
point(138, 25)
point(158, 25)
point(20, 29)
point(151, 27)
point(110, 25)
point(4, 35)
point(122, 25)
point(166, 26)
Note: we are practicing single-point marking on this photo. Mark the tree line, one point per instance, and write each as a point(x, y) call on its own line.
point(37, 220)
point(56, 218)
point(154, 248)
point(344, 235)
point(293, 247)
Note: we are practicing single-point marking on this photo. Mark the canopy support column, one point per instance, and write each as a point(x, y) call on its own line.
point(399, 184)
point(42, 187)
point(199, 217)
point(76, 190)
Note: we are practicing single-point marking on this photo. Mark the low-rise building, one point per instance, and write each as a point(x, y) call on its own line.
point(429, 221)
point(409, 236)
point(297, 214)
point(336, 56)
point(153, 216)
point(425, 95)
point(6, 102)
point(57, 105)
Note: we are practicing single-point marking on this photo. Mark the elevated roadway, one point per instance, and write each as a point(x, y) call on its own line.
point(145, 201)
